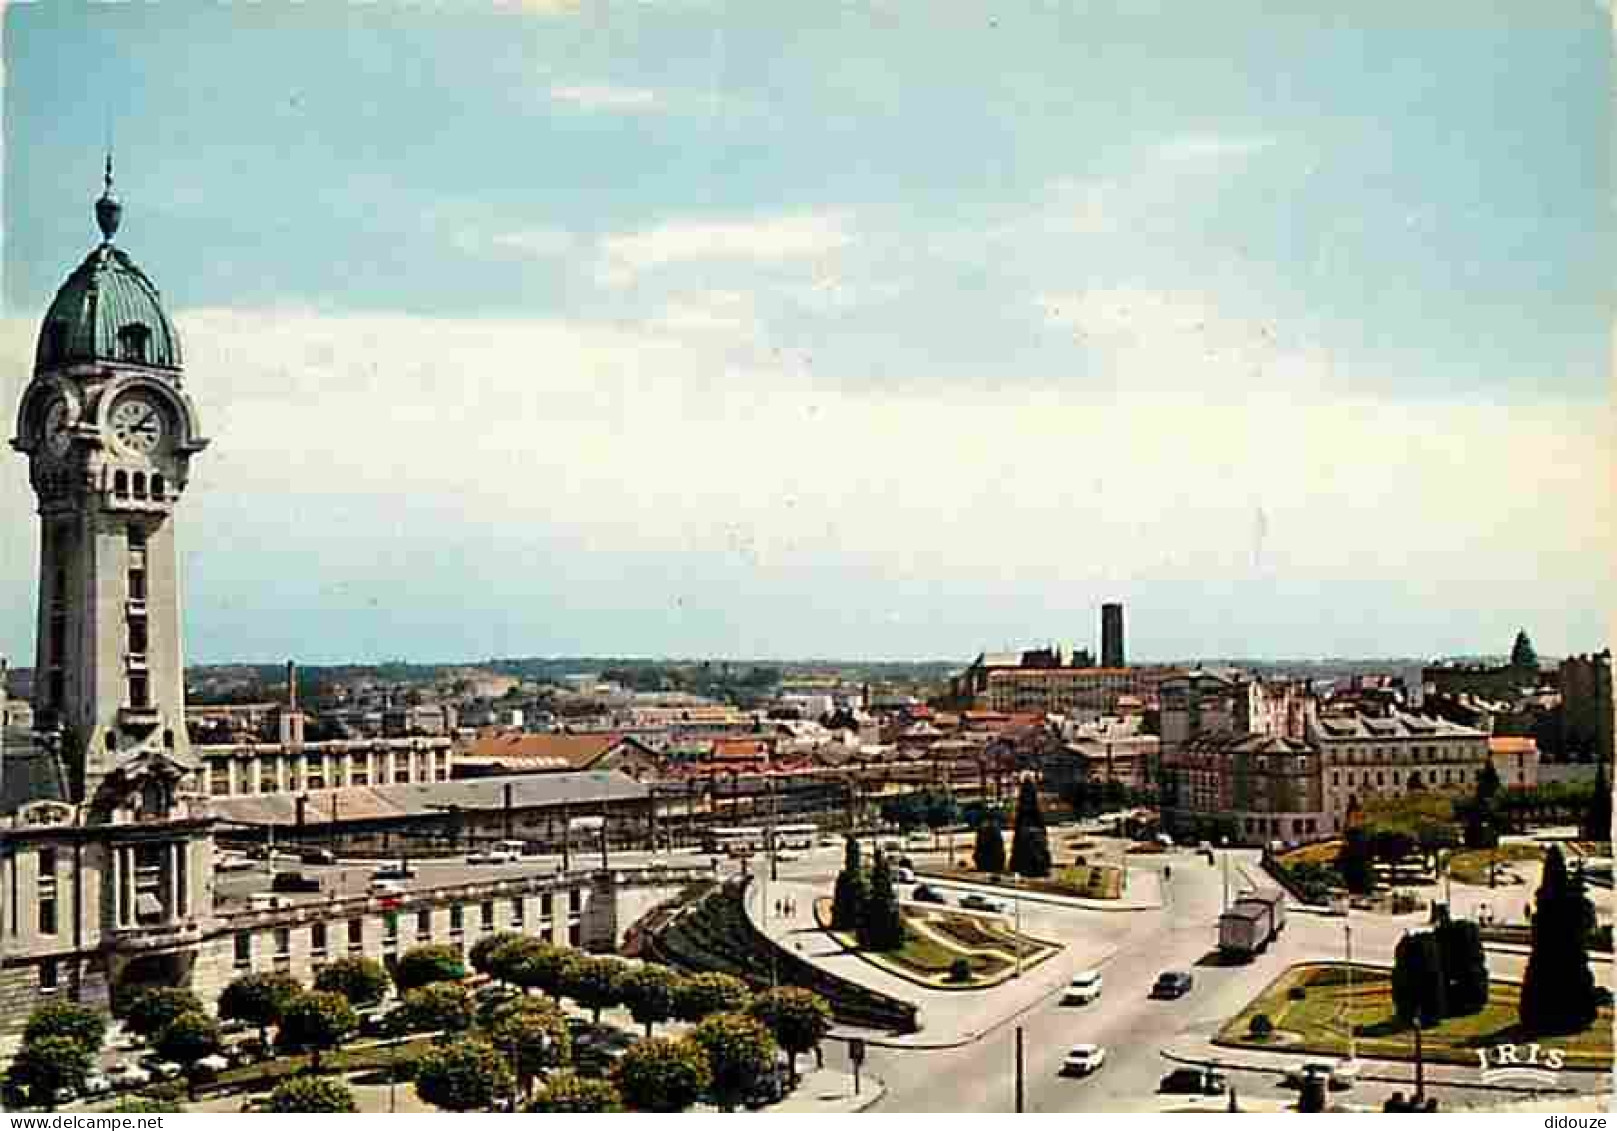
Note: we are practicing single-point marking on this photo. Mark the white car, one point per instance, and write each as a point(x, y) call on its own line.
point(1338, 1077)
point(233, 862)
point(96, 1084)
point(904, 875)
point(787, 855)
point(1082, 1060)
point(1084, 988)
point(384, 888)
point(491, 856)
point(128, 1076)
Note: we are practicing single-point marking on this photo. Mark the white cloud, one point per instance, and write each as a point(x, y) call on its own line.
point(616, 99)
point(728, 312)
point(778, 239)
point(1210, 147)
point(524, 243)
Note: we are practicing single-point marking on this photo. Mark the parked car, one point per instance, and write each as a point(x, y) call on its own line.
point(232, 862)
point(491, 856)
point(393, 870)
point(161, 1069)
point(1194, 1082)
point(1337, 1077)
point(1084, 988)
point(904, 875)
point(317, 856)
point(1082, 1060)
point(383, 888)
point(128, 1075)
point(786, 855)
point(1172, 984)
point(977, 902)
point(96, 1084)
point(924, 894)
point(294, 882)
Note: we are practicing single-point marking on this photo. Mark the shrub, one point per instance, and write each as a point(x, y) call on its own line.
point(423, 965)
point(466, 1076)
point(960, 970)
point(154, 1010)
point(67, 1019)
point(1297, 993)
point(363, 981)
point(311, 1094)
point(568, 1092)
point(1260, 1027)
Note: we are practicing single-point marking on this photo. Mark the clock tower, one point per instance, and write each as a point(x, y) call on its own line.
point(109, 433)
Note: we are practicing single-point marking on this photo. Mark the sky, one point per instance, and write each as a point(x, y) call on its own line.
point(884, 330)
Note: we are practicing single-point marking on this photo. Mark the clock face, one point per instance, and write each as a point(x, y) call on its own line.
point(57, 438)
point(137, 423)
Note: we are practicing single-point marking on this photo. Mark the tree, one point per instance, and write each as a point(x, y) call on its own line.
point(1418, 986)
point(316, 1021)
point(312, 1094)
point(187, 1039)
point(67, 1019)
point(484, 948)
point(1558, 991)
point(541, 968)
point(41, 1068)
point(259, 1000)
point(1354, 863)
point(851, 890)
point(1596, 824)
point(662, 1074)
point(1482, 815)
point(648, 991)
point(740, 1051)
point(988, 854)
point(799, 1019)
point(466, 1076)
point(1465, 967)
point(701, 995)
point(152, 1010)
point(423, 965)
point(882, 927)
point(592, 982)
point(533, 1034)
point(362, 981)
point(1522, 654)
point(569, 1093)
point(1030, 842)
point(446, 1008)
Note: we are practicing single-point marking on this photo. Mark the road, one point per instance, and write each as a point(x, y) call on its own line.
point(1134, 1028)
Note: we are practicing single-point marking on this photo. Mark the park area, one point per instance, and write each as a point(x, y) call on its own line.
point(947, 949)
point(1078, 881)
point(1310, 1007)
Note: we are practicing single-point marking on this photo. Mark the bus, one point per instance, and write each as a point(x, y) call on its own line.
point(745, 840)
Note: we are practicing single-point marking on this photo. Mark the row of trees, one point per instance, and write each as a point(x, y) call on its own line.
point(1030, 839)
point(866, 903)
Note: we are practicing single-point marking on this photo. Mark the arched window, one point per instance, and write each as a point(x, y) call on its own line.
point(157, 487)
point(132, 341)
point(140, 484)
point(120, 484)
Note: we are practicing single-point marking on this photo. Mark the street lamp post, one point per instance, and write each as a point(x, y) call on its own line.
point(1347, 933)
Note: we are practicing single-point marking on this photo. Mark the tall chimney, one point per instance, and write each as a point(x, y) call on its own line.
point(292, 685)
point(1111, 636)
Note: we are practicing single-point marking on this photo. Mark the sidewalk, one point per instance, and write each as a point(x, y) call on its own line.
point(822, 1091)
point(948, 1018)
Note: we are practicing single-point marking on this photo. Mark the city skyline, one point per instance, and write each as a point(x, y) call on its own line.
point(667, 340)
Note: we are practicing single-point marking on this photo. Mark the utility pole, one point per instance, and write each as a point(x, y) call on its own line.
point(1347, 932)
point(1019, 1074)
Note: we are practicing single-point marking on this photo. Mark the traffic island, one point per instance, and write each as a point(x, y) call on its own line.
point(948, 950)
point(1313, 1004)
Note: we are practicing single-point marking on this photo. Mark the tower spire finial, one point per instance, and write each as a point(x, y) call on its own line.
point(108, 211)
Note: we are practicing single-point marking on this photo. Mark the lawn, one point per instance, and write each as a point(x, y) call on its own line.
point(254, 1076)
point(1322, 852)
point(1472, 867)
point(935, 940)
point(1318, 1022)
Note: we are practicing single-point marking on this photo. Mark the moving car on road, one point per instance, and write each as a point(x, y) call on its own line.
point(491, 856)
point(924, 894)
point(1194, 1082)
point(393, 870)
point(1084, 988)
point(1172, 984)
point(975, 902)
point(1338, 1077)
point(1082, 1060)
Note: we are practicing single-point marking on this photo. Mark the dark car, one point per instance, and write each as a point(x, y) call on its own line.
point(1172, 984)
point(294, 882)
point(924, 894)
point(317, 856)
point(975, 902)
point(1194, 1082)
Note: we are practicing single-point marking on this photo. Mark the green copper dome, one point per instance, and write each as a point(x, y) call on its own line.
point(108, 310)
